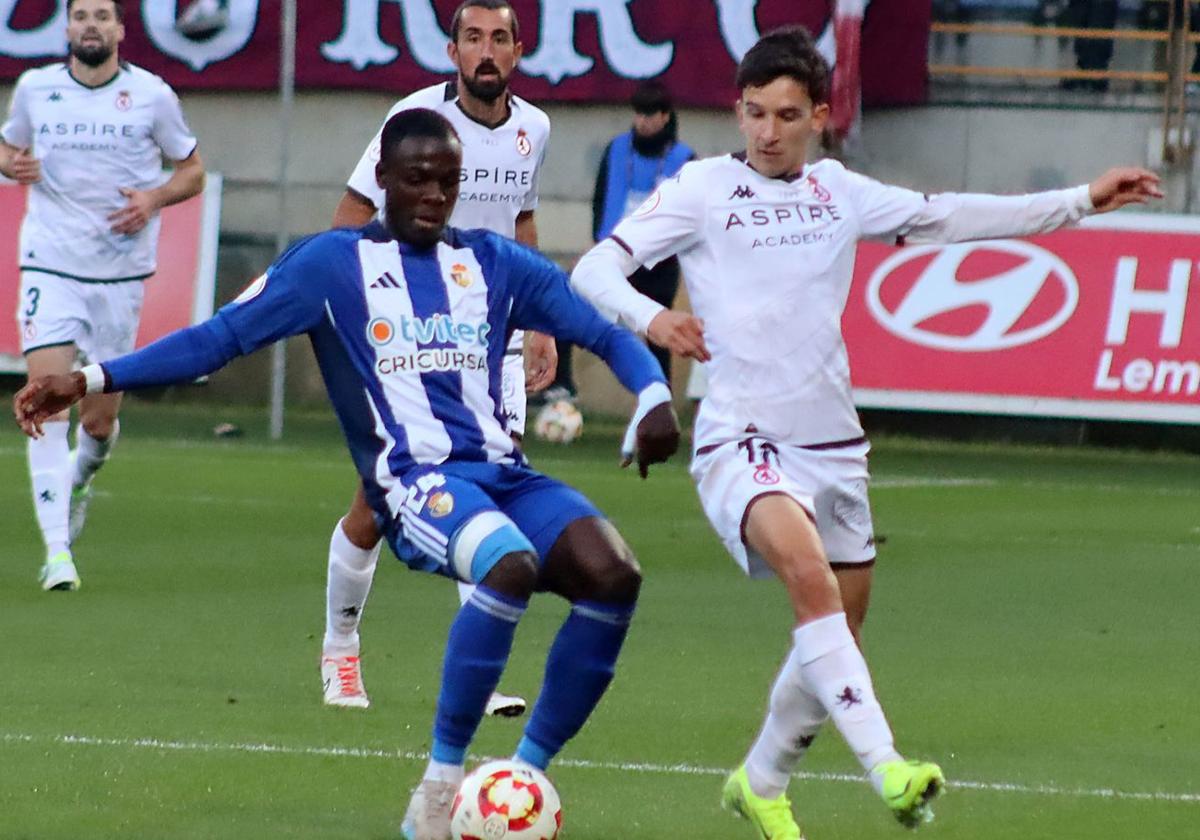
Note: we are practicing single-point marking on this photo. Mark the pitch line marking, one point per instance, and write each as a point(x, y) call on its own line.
point(682, 769)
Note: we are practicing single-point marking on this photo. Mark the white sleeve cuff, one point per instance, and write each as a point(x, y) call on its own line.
point(94, 376)
point(1081, 201)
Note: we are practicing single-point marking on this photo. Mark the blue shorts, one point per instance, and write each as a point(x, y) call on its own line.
point(442, 498)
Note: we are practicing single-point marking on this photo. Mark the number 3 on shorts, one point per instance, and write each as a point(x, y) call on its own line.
point(35, 294)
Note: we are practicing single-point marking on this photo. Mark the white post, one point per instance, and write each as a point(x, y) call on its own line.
point(287, 92)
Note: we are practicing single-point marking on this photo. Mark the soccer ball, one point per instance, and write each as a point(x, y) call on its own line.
point(558, 422)
point(506, 800)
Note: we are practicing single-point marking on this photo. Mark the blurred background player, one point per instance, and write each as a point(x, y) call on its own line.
point(767, 244)
point(634, 163)
point(504, 142)
point(88, 240)
point(421, 412)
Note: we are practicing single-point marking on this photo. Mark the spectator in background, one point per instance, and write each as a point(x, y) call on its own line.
point(1091, 53)
point(633, 165)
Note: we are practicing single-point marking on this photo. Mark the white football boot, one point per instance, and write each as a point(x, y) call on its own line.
point(341, 678)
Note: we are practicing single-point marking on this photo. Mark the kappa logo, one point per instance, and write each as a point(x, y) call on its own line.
point(385, 281)
point(849, 697)
point(524, 147)
point(1010, 293)
point(54, 97)
point(742, 191)
point(124, 101)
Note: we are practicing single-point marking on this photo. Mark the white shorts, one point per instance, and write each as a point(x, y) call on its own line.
point(100, 319)
point(829, 483)
point(512, 385)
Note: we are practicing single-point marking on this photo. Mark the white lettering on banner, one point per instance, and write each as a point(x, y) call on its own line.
point(159, 16)
point(1167, 376)
point(739, 30)
point(360, 45)
point(627, 55)
point(50, 38)
point(1127, 299)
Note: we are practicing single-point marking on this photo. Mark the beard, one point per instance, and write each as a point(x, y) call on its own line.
point(487, 90)
point(93, 55)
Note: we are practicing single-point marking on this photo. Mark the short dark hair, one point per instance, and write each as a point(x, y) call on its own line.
point(652, 97)
point(118, 7)
point(494, 5)
point(788, 51)
point(414, 122)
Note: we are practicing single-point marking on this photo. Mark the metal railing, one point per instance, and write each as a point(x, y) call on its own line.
point(1177, 40)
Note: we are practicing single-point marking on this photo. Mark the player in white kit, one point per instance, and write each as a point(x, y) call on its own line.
point(89, 137)
point(767, 241)
point(504, 142)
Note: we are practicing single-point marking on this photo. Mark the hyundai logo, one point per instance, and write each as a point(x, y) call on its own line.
point(1005, 298)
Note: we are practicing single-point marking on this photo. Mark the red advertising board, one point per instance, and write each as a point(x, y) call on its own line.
point(1100, 321)
point(575, 50)
point(179, 294)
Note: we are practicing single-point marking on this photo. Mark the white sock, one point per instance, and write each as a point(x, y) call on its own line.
point(91, 453)
point(351, 570)
point(793, 719)
point(50, 480)
point(464, 592)
point(437, 771)
point(834, 670)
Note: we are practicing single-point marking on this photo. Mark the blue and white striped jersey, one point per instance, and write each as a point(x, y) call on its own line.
point(410, 341)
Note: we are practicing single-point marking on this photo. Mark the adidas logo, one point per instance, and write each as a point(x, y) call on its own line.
point(385, 281)
point(742, 192)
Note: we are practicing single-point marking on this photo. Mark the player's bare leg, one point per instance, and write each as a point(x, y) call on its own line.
point(95, 436)
point(824, 675)
point(353, 556)
point(50, 475)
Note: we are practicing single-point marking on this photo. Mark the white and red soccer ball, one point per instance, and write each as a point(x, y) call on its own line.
point(558, 422)
point(506, 800)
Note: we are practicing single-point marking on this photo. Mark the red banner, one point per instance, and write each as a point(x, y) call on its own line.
point(575, 50)
point(179, 294)
point(1101, 321)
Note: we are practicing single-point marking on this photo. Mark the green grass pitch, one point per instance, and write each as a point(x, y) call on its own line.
point(1034, 629)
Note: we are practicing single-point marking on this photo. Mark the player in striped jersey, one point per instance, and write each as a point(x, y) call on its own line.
point(409, 321)
point(504, 143)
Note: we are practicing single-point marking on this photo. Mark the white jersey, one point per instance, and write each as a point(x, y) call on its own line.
point(500, 165)
point(92, 142)
point(768, 264)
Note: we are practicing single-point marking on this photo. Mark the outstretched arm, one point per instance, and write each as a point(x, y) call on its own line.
point(601, 277)
point(893, 213)
point(182, 356)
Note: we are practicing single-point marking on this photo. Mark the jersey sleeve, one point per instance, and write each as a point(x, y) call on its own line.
point(895, 214)
point(289, 299)
point(884, 212)
point(362, 179)
point(171, 132)
point(18, 128)
point(543, 300)
point(668, 222)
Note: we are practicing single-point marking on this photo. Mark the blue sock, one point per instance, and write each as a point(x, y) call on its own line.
point(578, 670)
point(480, 640)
